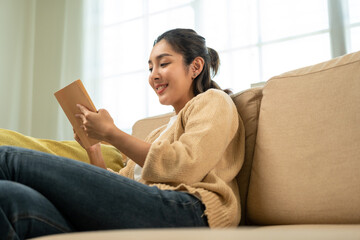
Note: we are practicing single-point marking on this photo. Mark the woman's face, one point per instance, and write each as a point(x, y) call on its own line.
point(169, 77)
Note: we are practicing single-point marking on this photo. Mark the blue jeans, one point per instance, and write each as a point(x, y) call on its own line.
point(42, 194)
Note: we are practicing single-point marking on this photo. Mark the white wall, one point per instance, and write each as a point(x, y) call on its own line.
point(40, 52)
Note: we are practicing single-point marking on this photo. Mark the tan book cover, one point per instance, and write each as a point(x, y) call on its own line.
point(68, 97)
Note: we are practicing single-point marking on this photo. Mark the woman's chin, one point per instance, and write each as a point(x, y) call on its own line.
point(163, 101)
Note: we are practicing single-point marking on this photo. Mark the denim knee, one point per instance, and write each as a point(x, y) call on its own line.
point(25, 213)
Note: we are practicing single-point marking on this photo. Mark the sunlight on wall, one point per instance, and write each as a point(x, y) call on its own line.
point(255, 40)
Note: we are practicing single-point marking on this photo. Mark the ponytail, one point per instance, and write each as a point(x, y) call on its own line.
point(214, 61)
point(214, 67)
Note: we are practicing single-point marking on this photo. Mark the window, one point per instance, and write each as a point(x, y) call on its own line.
point(255, 39)
point(354, 24)
point(127, 32)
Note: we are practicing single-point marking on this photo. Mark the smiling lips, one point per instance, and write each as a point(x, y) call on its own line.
point(161, 88)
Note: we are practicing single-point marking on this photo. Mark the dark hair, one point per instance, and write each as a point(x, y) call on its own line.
point(191, 45)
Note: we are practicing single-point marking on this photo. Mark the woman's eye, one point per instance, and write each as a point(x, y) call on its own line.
point(150, 69)
point(164, 64)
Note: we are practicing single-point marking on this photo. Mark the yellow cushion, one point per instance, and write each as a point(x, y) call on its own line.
point(69, 149)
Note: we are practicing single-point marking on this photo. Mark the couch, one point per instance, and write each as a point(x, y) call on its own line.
point(301, 173)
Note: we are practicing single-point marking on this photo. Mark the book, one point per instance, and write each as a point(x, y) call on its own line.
point(68, 97)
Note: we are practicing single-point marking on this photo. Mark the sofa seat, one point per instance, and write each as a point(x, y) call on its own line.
point(293, 232)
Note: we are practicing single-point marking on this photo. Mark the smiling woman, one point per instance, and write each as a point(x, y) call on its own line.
point(169, 76)
point(184, 51)
point(182, 175)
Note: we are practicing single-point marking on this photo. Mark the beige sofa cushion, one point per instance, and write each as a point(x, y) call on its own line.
point(306, 166)
point(144, 127)
point(295, 232)
point(248, 105)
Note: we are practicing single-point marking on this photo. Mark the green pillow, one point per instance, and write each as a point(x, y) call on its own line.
point(69, 149)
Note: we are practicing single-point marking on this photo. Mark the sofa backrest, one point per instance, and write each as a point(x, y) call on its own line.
point(306, 166)
point(143, 127)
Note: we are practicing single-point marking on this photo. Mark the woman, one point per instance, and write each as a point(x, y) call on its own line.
point(183, 175)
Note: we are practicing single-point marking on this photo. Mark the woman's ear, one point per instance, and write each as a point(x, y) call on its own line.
point(197, 66)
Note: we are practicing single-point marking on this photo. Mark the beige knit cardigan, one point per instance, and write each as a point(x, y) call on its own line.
point(201, 153)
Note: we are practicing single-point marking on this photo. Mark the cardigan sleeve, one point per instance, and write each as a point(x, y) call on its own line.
point(128, 170)
point(196, 145)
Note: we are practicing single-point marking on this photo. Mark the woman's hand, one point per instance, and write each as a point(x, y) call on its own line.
point(76, 137)
point(97, 125)
point(101, 126)
point(93, 152)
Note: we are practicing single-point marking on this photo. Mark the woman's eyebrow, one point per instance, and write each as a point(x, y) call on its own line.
point(160, 56)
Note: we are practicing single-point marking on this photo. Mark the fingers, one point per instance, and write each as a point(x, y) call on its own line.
point(84, 113)
point(83, 109)
point(82, 117)
point(93, 123)
point(78, 140)
point(76, 137)
point(83, 121)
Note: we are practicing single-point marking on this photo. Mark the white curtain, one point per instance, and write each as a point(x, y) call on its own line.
point(41, 50)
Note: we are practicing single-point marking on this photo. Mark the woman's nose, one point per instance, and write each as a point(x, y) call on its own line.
point(154, 75)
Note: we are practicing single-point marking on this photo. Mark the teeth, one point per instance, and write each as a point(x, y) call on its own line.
point(161, 87)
